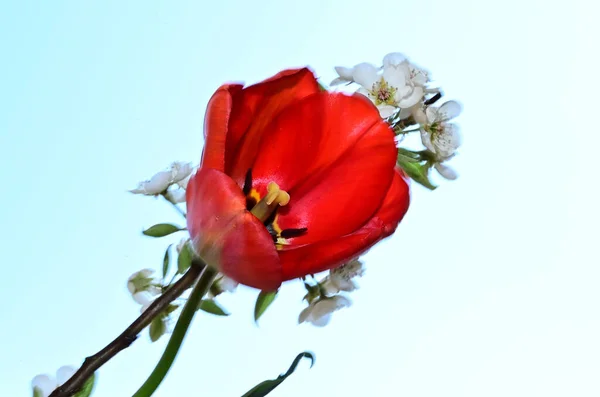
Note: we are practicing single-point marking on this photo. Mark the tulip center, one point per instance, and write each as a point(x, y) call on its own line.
point(274, 198)
point(265, 209)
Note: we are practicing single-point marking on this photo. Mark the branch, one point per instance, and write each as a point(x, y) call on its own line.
point(123, 341)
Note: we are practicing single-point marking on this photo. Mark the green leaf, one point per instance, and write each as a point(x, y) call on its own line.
point(166, 262)
point(210, 306)
point(263, 301)
point(87, 388)
point(171, 308)
point(264, 388)
point(161, 230)
point(37, 392)
point(184, 261)
point(408, 155)
point(418, 172)
point(157, 328)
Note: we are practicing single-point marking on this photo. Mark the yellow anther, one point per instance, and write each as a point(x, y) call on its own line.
point(275, 197)
point(274, 194)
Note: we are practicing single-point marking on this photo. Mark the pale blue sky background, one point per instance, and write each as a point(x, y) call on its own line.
point(489, 287)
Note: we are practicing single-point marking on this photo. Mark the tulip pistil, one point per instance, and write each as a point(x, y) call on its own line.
point(274, 198)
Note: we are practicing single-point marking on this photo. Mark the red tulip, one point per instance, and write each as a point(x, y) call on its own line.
point(293, 181)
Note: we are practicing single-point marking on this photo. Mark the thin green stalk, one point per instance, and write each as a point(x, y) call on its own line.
point(183, 323)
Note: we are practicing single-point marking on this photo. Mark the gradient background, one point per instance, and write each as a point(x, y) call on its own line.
point(489, 287)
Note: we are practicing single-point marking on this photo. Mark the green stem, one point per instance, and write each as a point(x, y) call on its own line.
point(183, 323)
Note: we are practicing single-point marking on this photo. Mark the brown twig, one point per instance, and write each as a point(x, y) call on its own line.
point(123, 341)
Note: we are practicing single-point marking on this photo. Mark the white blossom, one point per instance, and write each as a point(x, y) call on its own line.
point(446, 171)
point(223, 284)
point(181, 170)
point(142, 297)
point(398, 84)
point(155, 185)
point(319, 311)
point(441, 137)
point(344, 75)
point(228, 284)
point(142, 280)
point(45, 384)
point(184, 182)
point(175, 196)
point(177, 172)
point(341, 278)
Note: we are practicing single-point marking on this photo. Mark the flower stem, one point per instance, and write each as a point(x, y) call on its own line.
point(127, 337)
point(181, 328)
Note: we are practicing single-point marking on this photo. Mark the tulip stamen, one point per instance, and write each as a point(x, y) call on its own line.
point(274, 198)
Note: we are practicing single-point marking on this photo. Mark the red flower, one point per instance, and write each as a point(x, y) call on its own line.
point(293, 180)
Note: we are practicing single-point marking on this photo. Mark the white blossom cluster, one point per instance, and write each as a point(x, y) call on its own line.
point(400, 90)
point(324, 299)
point(178, 173)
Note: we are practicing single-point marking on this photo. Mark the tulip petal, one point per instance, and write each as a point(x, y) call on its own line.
point(216, 124)
point(254, 108)
point(325, 255)
point(226, 235)
point(335, 157)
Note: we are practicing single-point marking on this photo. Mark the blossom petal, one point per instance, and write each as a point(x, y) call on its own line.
point(366, 75)
point(322, 310)
point(304, 314)
point(44, 383)
point(216, 125)
point(411, 100)
point(226, 235)
point(419, 75)
point(448, 111)
point(156, 185)
point(328, 254)
point(386, 111)
point(320, 321)
point(142, 297)
point(344, 73)
point(254, 108)
point(180, 170)
point(447, 141)
point(335, 157)
point(394, 77)
point(338, 81)
point(418, 114)
point(446, 171)
point(432, 114)
point(394, 59)
point(176, 196)
point(65, 373)
point(426, 140)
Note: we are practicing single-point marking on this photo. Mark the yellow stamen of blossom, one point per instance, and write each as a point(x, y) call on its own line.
point(274, 198)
